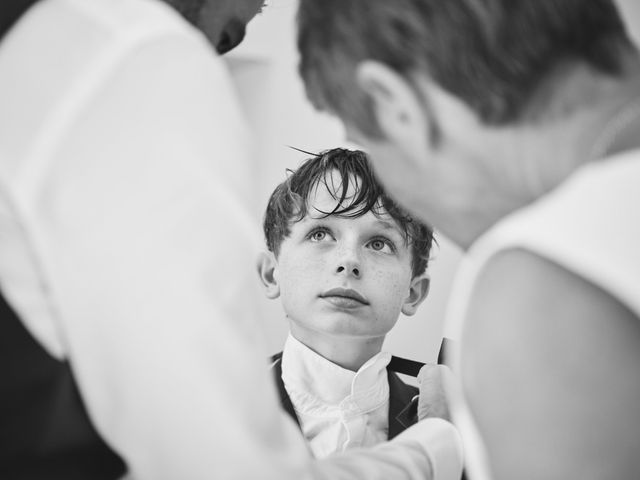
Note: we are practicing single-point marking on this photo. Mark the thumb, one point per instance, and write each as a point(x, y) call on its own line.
point(435, 382)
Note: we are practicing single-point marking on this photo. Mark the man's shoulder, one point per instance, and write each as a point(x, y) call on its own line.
point(531, 278)
point(124, 17)
point(518, 288)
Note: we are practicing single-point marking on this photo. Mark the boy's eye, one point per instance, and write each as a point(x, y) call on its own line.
point(381, 245)
point(318, 235)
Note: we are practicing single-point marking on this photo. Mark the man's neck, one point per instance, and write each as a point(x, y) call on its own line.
point(583, 123)
point(547, 149)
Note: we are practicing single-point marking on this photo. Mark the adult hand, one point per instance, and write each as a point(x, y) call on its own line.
point(435, 381)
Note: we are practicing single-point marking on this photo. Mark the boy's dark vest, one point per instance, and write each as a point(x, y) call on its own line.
point(45, 432)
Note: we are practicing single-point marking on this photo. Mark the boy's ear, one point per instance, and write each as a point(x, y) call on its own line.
point(267, 265)
point(417, 293)
point(396, 104)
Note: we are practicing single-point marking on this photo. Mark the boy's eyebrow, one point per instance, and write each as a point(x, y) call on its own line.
point(389, 225)
point(382, 223)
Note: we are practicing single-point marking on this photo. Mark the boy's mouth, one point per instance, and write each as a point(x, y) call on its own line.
point(344, 297)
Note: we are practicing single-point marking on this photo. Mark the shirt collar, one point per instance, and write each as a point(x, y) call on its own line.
point(315, 381)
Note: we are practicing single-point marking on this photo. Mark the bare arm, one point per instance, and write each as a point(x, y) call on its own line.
point(550, 370)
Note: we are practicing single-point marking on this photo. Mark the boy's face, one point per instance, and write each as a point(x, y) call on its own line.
point(348, 277)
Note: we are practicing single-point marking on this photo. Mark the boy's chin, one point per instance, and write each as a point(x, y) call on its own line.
point(343, 328)
point(340, 326)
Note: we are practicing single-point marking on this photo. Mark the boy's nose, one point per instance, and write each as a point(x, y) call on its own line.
point(349, 268)
point(348, 258)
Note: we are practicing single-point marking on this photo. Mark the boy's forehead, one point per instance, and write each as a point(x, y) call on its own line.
point(325, 196)
point(327, 191)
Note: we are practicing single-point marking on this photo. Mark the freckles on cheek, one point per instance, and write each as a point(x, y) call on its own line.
point(388, 282)
point(302, 268)
point(394, 282)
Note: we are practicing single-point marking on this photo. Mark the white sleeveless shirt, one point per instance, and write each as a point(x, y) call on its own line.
point(589, 225)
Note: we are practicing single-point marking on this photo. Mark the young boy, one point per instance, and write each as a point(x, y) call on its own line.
point(345, 262)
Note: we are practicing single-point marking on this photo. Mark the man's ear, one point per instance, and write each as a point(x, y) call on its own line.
point(396, 103)
point(267, 266)
point(418, 291)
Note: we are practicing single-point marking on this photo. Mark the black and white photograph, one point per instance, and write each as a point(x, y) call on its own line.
point(320, 240)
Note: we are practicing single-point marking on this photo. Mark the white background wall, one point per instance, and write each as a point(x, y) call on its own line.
point(264, 68)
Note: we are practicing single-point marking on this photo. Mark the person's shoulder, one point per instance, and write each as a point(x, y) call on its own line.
point(132, 19)
point(518, 286)
point(521, 267)
point(517, 274)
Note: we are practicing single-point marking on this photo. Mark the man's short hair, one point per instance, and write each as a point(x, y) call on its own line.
point(289, 201)
point(491, 54)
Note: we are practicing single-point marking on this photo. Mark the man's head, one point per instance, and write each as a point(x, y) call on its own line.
point(442, 93)
point(344, 259)
point(222, 21)
point(491, 54)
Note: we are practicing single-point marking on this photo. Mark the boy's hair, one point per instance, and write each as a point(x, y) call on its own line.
point(289, 201)
point(491, 54)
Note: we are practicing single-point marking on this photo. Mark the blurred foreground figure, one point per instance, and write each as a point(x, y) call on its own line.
point(512, 126)
point(126, 342)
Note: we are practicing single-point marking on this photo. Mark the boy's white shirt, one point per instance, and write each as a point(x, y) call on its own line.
point(126, 250)
point(338, 409)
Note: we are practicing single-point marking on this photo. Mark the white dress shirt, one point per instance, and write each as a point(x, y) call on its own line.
point(125, 247)
point(337, 408)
